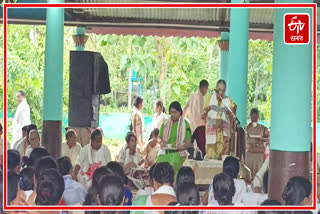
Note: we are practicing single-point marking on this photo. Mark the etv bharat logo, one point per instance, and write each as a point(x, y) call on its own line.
point(296, 28)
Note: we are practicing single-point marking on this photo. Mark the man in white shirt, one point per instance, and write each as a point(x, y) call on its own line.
point(194, 109)
point(21, 117)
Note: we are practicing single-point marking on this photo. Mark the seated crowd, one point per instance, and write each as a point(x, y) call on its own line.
point(87, 176)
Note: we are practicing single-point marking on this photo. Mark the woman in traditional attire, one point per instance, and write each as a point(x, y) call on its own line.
point(92, 157)
point(220, 122)
point(137, 122)
point(175, 135)
point(131, 162)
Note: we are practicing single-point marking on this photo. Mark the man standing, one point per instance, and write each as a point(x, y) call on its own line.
point(220, 122)
point(194, 108)
point(21, 117)
point(257, 139)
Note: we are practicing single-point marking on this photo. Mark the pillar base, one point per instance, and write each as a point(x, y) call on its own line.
point(284, 165)
point(52, 137)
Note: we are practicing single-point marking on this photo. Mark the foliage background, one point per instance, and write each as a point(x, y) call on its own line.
point(172, 67)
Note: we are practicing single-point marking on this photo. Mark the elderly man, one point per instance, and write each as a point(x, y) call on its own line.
point(257, 139)
point(21, 117)
point(22, 144)
point(194, 108)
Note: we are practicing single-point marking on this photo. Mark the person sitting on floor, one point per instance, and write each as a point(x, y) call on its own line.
point(151, 149)
point(71, 148)
point(188, 194)
point(35, 156)
point(224, 191)
point(13, 158)
point(34, 140)
point(163, 178)
point(111, 192)
point(50, 187)
point(117, 170)
point(74, 192)
point(185, 176)
point(298, 191)
point(26, 181)
point(91, 197)
point(231, 167)
point(92, 156)
point(131, 161)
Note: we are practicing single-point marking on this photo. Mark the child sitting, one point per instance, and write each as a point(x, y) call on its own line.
point(74, 192)
point(151, 149)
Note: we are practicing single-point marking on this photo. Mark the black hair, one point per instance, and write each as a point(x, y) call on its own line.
point(70, 133)
point(31, 127)
point(44, 164)
point(221, 81)
point(223, 188)
point(22, 93)
point(265, 181)
point(154, 132)
point(163, 173)
point(91, 197)
point(254, 111)
point(1, 128)
point(160, 104)
point(270, 203)
point(34, 157)
point(151, 171)
point(116, 168)
point(129, 135)
point(96, 133)
point(231, 166)
point(111, 190)
point(188, 194)
point(13, 181)
point(13, 159)
point(25, 128)
point(185, 175)
point(297, 189)
point(50, 187)
point(138, 101)
point(203, 84)
point(176, 105)
point(26, 179)
point(64, 165)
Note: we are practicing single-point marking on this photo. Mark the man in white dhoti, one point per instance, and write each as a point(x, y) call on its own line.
point(194, 109)
point(21, 117)
point(92, 157)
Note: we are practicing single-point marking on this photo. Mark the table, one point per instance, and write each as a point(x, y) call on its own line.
point(204, 170)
